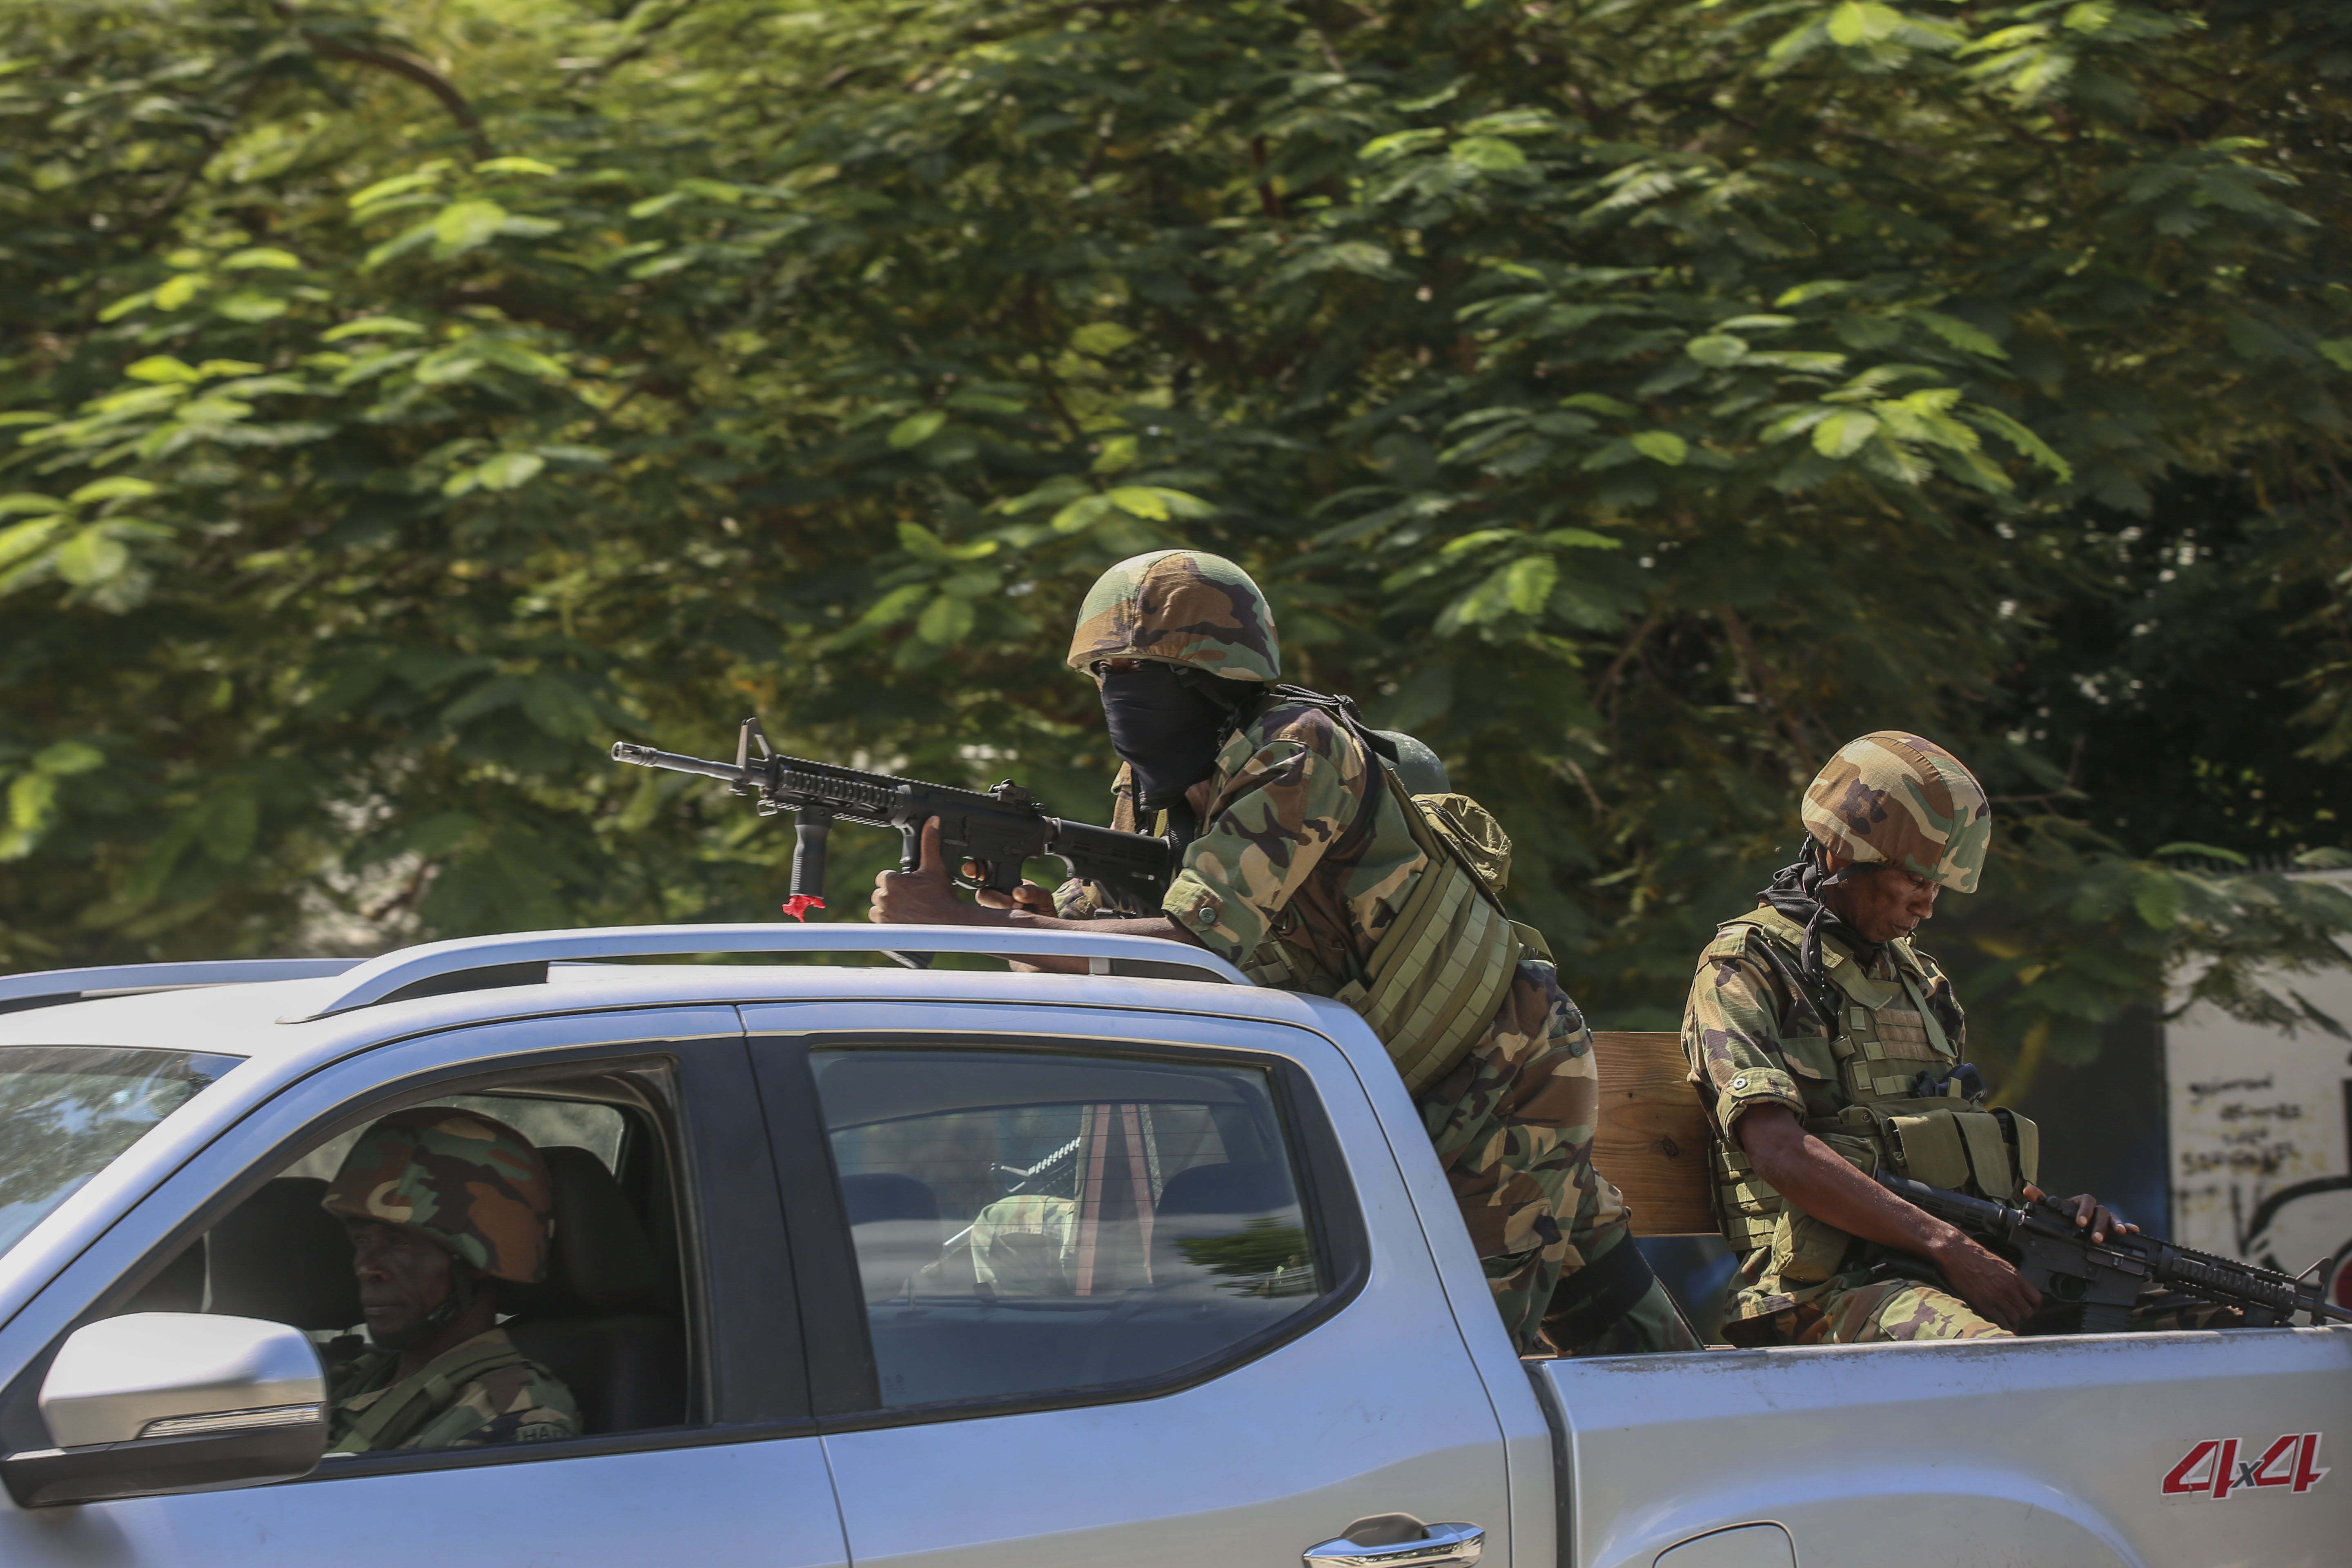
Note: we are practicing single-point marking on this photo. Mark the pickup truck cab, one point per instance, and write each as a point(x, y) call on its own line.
point(953, 1268)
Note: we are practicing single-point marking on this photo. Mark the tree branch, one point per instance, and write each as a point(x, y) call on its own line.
point(402, 65)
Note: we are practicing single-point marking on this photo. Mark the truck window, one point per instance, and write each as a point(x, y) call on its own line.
point(1027, 1223)
point(66, 1112)
point(607, 1319)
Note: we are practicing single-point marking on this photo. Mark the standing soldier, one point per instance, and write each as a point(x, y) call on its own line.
point(1829, 1048)
point(1313, 869)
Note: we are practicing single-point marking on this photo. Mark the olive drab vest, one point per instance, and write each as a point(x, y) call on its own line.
point(405, 1407)
point(1432, 984)
point(1882, 1037)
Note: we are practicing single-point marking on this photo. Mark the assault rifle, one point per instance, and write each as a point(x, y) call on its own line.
point(2105, 1279)
point(999, 831)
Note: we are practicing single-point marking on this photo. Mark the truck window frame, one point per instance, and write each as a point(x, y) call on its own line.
point(844, 1388)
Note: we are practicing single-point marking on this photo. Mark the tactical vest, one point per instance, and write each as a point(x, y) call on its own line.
point(403, 1410)
point(1433, 983)
point(1883, 1036)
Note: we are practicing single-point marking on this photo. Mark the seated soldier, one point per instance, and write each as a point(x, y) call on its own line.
point(441, 1204)
point(1828, 1047)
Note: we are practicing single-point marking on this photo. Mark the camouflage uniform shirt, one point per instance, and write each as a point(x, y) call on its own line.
point(1513, 1123)
point(509, 1400)
point(1754, 1039)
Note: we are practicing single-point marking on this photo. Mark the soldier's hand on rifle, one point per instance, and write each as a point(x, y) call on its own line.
point(924, 896)
point(1033, 897)
point(2088, 1211)
point(1986, 1282)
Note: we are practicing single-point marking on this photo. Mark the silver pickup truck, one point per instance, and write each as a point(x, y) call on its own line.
point(861, 1263)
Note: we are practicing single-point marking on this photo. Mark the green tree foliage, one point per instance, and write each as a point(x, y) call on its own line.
point(1635, 398)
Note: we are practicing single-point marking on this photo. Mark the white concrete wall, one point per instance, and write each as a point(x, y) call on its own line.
point(2261, 1135)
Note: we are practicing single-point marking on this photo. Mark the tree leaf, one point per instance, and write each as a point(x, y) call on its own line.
point(1844, 433)
point(1662, 446)
point(2159, 898)
point(1529, 581)
point(1853, 22)
point(91, 557)
point(1489, 154)
point(1717, 349)
point(917, 428)
point(114, 487)
point(68, 757)
point(227, 826)
point(162, 369)
point(466, 225)
point(945, 621)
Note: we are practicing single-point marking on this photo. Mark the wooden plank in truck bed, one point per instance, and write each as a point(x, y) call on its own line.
point(1652, 1137)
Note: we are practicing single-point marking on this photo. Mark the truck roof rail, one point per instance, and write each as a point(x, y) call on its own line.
point(470, 964)
point(50, 987)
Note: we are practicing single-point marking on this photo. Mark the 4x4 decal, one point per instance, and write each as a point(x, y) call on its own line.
point(2219, 1468)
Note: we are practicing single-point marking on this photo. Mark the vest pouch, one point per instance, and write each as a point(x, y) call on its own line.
point(1963, 1150)
point(2025, 1138)
point(1471, 831)
point(1933, 1149)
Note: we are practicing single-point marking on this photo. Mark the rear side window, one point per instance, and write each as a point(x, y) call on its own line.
point(1029, 1223)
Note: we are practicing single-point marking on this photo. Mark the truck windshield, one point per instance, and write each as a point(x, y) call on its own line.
point(66, 1112)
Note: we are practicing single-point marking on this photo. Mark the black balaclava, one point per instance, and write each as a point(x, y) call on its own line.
point(1167, 728)
point(1796, 891)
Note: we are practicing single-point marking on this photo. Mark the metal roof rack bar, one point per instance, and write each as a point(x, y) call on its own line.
point(50, 987)
point(412, 971)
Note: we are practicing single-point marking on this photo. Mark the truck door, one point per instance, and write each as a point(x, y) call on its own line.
point(1081, 1285)
point(666, 1314)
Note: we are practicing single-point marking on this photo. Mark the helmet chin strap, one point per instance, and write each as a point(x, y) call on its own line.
point(430, 1325)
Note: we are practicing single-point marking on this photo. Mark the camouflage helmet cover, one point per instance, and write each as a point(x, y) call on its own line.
point(1897, 799)
point(1179, 606)
point(473, 1186)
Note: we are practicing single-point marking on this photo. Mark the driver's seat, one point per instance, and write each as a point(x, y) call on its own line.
point(592, 1321)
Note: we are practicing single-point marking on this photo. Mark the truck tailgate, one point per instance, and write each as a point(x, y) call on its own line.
point(2194, 1449)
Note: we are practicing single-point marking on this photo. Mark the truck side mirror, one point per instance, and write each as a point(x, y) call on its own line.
point(174, 1402)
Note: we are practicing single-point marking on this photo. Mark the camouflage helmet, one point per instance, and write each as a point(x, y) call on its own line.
point(473, 1186)
point(1179, 606)
point(1902, 801)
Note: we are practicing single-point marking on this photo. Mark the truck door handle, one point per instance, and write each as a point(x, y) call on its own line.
point(1399, 1541)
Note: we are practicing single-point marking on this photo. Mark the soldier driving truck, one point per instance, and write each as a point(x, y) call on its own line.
point(1829, 1049)
point(441, 1204)
point(1311, 864)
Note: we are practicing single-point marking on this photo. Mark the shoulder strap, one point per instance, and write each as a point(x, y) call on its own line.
point(1764, 933)
point(400, 1411)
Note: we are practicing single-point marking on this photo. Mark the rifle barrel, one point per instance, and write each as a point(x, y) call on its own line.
point(647, 757)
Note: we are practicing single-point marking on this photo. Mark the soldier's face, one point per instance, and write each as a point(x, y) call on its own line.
point(1884, 904)
point(402, 1276)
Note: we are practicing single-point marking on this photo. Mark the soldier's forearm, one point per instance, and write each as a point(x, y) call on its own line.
point(1805, 1171)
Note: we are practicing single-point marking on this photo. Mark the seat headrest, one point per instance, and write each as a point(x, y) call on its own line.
point(602, 1261)
point(280, 1258)
point(1251, 1188)
point(885, 1195)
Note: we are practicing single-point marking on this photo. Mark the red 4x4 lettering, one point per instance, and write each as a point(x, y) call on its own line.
point(2211, 1468)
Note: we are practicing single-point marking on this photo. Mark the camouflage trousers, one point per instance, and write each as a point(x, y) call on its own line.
point(1513, 1126)
point(1872, 1314)
point(1891, 1309)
